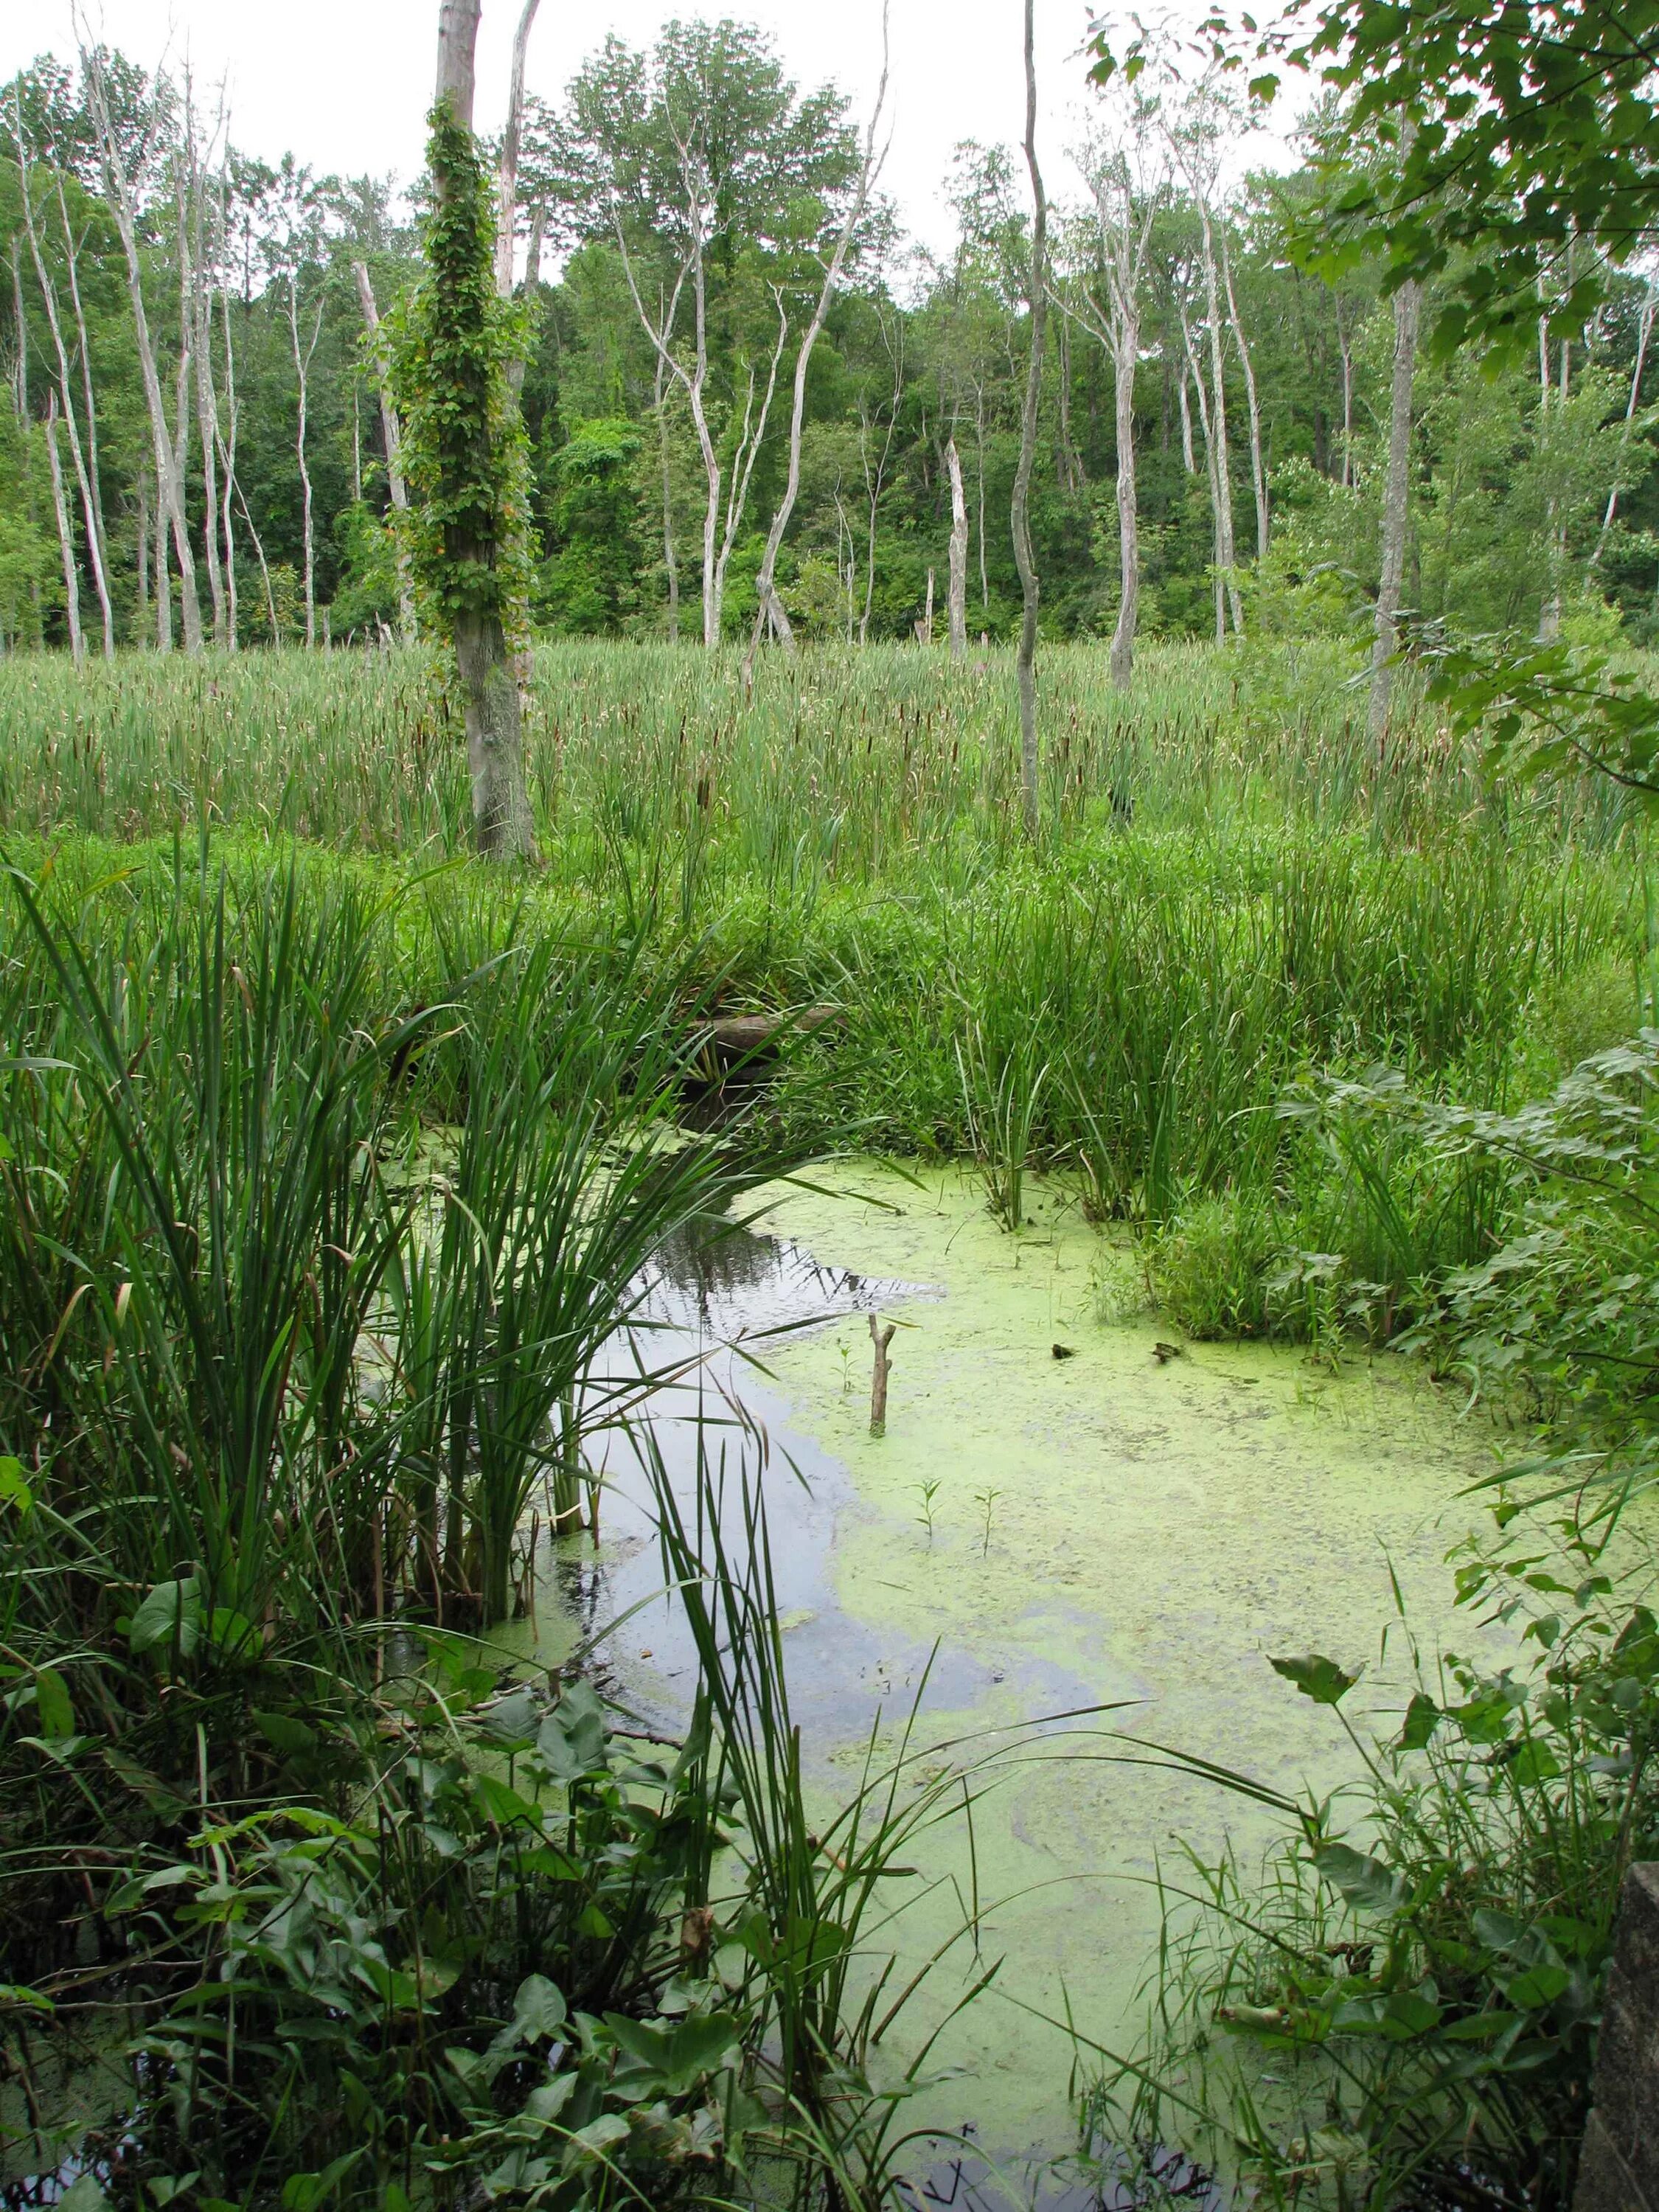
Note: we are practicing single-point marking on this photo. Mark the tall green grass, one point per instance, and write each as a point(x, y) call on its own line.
point(650, 766)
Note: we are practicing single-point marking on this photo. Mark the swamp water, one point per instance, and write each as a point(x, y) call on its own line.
point(1109, 1526)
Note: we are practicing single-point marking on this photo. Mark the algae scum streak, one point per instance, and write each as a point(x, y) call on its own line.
point(1066, 1512)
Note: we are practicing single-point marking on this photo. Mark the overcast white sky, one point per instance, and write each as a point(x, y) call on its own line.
point(343, 84)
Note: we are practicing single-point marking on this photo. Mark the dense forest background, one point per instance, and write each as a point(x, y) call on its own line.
point(1260, 387)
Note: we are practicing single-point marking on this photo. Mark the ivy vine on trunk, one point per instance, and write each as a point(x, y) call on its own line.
point(466, 459)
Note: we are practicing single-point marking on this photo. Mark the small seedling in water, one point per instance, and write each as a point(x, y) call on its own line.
point(928, 1492)
point(845, 1352)
point(986, 1500)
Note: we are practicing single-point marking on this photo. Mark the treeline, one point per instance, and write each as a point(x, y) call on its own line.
point(199, 443)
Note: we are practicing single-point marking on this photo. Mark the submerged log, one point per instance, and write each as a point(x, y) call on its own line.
point(736, 1036)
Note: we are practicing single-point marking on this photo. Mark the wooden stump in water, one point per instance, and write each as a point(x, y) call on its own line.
point(881, 1337)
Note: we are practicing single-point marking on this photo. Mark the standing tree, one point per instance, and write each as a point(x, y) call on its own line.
point(464, 449)
point(1127, 181)
point(1037, 295)
point(958, 597)
point(770, 609)
point(699, 161)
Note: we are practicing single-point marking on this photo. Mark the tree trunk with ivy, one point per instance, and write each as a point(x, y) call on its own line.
point(464, 446)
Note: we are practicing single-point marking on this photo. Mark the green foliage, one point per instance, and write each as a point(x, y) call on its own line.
point(1532, 131)
point(588, 584)
point(465, 451)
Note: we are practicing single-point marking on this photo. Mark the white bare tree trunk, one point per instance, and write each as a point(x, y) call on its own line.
point(84, 478)
point(168, 474)
point(391, 437)
point(1189, 458)
point(163, 578)
point(770, 609)
point(302, 371)
point(1221, 459)
point(506, 200)
point(959, 593)
point(71, 256)
point(65, 537)
point(1126, 354)
point(1347, 351)
point(1258, 472)
point(1643, 334)
point(1395, 505)
point(1037, 296)
point(228, 457)
point(1201, 392)
point(207, 399)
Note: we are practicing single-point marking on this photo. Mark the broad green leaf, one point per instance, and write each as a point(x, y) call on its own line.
point(304, 2192)
point(17, 1993)
point(171, 1612)
point(53, 1703)
point(1363, 1883)
point(571, 1737)
point(1537, 1986)
point(284, 1733)
point(1422, 1718)
point(514, 1719)
point(538, 2010)
point(84, 2194)
point(1408, 2012)
point(14, 1490)
point(1317, 1677)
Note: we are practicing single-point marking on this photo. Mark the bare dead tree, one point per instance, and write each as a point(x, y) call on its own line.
point(192, 208)
point(1127, 184)
point(1192, 138)
point(84, 474)
point(302, 361)
point(122, 170)
point(874, 465)
point(1643, 335)
point(958, 589)
point(391, 438)
point(670, 564)
point(1407, 307)
point(770, 609)
point(692, 375)
point(1258, 471)
point(507, 199)
point(65, 537)
point(1037, 299)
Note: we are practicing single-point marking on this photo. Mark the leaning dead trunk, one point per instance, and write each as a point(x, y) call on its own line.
point(1407, 301)
point(1021, 514)
point(959, 555)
